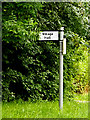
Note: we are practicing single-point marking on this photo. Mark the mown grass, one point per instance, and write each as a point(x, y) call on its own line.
point(44, 109)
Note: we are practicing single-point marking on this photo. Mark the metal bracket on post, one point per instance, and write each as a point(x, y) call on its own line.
point(64, 45)
point(61, 69)
point(61, 46)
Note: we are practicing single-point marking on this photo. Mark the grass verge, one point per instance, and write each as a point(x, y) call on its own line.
point(45, 109)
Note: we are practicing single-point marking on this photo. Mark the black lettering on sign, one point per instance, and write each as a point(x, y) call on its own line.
point(45, 33)
point(42, 33)
point(50, 34)
point(47, 37)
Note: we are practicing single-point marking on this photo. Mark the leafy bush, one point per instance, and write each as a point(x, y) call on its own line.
point(75, 66)
point(31, 67)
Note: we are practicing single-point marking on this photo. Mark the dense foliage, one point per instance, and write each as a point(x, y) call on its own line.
point(31, 67)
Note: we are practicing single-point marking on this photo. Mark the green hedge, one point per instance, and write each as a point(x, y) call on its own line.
point(31, 67)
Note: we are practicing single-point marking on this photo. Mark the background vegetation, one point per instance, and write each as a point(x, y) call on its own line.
point(31, 67)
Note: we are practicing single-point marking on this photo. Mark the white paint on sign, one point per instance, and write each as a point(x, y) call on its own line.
point(49, 35)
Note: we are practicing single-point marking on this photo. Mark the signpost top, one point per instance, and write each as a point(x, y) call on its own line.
point(62, 29)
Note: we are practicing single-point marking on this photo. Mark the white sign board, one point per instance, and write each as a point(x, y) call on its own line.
point(49, 35)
